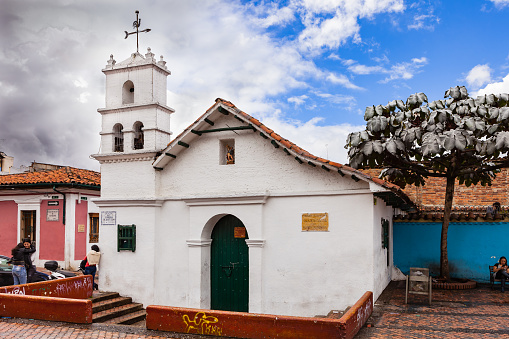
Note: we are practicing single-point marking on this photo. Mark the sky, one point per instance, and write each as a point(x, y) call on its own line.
point(306, 68)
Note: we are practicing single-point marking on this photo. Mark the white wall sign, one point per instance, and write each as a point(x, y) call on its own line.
point(108, 217)
point(52, 215)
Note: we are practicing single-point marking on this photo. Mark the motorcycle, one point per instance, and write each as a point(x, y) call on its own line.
point(56, 273)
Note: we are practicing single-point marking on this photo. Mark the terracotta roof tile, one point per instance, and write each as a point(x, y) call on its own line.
point(266, 129)
point(325, 161)
point(285, 143)
point(335, 164)
point(255, 121)
point(275, 136)
point(66, 175)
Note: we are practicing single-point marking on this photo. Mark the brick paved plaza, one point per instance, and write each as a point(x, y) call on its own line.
point(476, 313)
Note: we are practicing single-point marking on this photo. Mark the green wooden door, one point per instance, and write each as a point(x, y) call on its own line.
point(229, 266)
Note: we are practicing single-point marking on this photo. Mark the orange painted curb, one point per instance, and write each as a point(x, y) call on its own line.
point(46, 308)
point(75, 287)
point(258, 326)
point(353, 320)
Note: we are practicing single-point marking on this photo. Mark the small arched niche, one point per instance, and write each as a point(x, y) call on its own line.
point(128, 93)
point(118, 138)
point(139, 140)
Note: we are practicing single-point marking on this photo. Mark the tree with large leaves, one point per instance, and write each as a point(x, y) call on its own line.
point(458, 138)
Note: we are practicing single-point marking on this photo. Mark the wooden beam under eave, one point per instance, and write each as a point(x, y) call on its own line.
point(222, 110)
point(181, 143)
point(211, 123)
point(171, 155)
point(196, 132)
point(274, 143)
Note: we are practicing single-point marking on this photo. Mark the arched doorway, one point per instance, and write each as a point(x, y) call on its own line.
point(229, 266)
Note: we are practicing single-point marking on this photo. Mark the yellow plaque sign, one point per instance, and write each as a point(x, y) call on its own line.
point(239, 232)
point(81, 228)
point(318, 222)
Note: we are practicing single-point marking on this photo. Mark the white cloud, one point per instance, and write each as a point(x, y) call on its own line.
point(405, 70)
point(495, 87)
point(424, 21)
point(346, 101)
point(342, 80)
point(272, 15)
point(330, 23)
point(500, 3)
point(363, 69)
point(83, 98)
point(298, 100)
point(80, 82)
point(478, 76)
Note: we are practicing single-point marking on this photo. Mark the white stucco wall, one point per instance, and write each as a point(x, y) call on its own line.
point(128, 179)
point(291, 272)
point(381, 270)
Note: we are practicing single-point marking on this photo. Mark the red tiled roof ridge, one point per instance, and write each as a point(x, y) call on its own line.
point(66, 174)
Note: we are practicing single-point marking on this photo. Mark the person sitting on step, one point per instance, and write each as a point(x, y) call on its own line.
point(500, 271)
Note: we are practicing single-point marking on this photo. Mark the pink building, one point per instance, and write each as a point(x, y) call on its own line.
point(53, 208)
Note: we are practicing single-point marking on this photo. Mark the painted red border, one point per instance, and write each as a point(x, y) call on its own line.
point(251, 325)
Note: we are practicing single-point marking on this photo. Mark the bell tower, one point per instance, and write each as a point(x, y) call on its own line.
point(135, 123)
point(136, 118)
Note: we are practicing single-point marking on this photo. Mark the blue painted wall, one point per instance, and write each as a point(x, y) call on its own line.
point(471, 247)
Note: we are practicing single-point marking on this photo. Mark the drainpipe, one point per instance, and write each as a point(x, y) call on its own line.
point(63, 212)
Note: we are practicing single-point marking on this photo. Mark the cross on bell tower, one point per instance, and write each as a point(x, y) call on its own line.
point(136, 24)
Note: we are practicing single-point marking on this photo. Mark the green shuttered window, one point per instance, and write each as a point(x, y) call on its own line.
point(126, 238)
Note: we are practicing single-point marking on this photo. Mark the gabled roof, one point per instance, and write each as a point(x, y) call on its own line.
point(65, 176)
point(391, 194)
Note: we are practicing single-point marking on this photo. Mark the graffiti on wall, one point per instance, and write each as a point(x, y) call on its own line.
point(202, 324)
point(54, 288)
point(363, 314)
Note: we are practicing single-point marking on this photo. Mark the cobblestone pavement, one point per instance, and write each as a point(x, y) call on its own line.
point(36, 329)
point(475, 313)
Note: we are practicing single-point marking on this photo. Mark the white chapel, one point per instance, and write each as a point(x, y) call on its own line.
point(229, 215)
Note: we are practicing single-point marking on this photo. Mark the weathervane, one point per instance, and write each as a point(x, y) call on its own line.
point(136, 24)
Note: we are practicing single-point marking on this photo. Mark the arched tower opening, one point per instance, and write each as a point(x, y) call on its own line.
point(118, 138)
point(128, 93)
point(139, 140)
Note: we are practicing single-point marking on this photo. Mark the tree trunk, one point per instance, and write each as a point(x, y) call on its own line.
point(444, 260)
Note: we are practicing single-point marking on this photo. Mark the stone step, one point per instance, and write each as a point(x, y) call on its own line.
point(100, 296)
point(106, 304)
point(115, 312)
point(133, 318)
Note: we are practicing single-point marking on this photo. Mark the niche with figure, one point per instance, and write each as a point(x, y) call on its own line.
point(227, 152)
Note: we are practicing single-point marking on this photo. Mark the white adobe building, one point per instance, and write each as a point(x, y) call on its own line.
point(229, 215)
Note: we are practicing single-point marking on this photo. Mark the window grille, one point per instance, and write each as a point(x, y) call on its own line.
point(126, 238)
